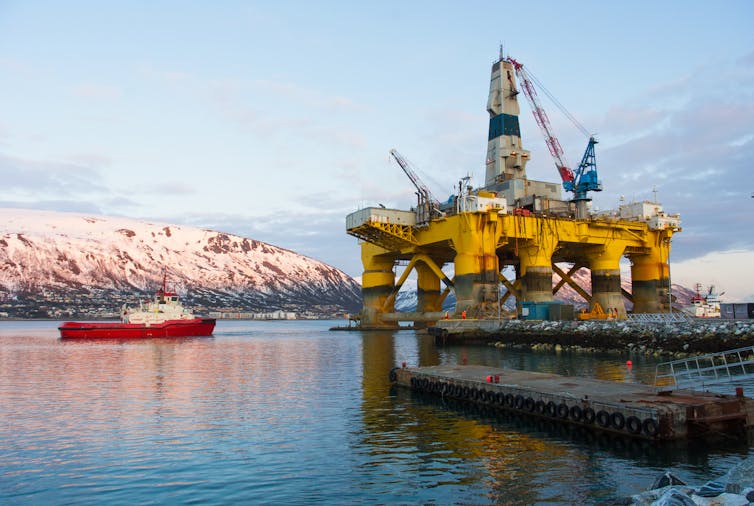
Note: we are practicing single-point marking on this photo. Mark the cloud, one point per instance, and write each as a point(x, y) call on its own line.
point(308, 97)
point(727, 270)
point(747, 60)
point(168, 76)
point(97, 91)
point(171, 188)
point(90, 160)
point(272, 109)
point(692, 140)
point(33, 177)
point(16, 66)
point(76, 206)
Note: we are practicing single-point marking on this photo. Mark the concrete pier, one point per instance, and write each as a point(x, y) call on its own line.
point(628, 409)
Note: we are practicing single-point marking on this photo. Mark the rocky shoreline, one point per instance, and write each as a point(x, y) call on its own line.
point(733, 488)
point(676, 339)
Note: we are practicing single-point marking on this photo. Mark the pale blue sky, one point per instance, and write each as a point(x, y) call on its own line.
point(273, 120)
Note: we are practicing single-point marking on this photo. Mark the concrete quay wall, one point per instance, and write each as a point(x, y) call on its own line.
point(672, 338)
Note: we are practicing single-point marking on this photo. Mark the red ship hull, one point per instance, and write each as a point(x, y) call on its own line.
point(198, 327)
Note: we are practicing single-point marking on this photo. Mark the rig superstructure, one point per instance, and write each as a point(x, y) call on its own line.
point(511, 221)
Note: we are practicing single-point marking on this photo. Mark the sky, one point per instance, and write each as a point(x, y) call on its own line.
point(274, 120)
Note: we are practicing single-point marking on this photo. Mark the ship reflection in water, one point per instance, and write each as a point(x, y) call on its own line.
point(287, 412)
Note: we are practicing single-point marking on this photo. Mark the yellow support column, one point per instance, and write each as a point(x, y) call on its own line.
point(646, 275)
point(476, 263)
point(377, 284)
point(535, 269)
point(606, 287)
point(428, 291)
point(650, 277)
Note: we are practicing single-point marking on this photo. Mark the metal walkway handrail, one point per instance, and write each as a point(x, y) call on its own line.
point(708, 372)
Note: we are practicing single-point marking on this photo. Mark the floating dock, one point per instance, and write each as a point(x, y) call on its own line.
point(629, 409)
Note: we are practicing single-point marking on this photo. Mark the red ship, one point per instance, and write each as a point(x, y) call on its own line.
point(164, 316)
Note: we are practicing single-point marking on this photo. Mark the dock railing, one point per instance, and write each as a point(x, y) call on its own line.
point(715, 372)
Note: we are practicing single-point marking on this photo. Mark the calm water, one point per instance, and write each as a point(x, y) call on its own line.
point(290, 413)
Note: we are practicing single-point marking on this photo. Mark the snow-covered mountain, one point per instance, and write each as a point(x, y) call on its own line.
point(66, 260)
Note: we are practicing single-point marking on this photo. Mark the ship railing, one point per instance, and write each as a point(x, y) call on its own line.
point(717, 372)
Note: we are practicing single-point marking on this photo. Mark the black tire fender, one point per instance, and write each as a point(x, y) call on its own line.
point(576, 413)
point(510, 400)
point(529, 404)
point(651, 427)
point(633, 424)
point(603, 418)
point(393, 375)
point(552, 409)
point(617, 420)
point(520, 402)
point(563, 411)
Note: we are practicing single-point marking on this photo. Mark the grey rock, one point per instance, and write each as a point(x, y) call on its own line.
point(665, 480)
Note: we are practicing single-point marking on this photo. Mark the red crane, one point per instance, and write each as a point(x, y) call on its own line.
point(566, 174)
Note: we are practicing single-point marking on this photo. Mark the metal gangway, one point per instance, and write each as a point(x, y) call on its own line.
point(676, 317)
point(718, 372)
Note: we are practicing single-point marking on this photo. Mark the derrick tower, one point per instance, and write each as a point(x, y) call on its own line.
point(510, 221)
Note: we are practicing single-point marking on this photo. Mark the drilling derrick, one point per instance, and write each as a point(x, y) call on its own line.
point(511, 221)
point(506, 159)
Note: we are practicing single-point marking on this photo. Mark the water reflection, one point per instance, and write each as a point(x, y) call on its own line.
point(486, 456)
point(287, 412)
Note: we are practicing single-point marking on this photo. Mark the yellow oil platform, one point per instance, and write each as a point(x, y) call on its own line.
point(511, 221)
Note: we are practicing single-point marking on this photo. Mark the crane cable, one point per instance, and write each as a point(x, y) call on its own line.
point(558, 104)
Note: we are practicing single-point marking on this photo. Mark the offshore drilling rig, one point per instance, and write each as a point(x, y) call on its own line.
point(511, 221)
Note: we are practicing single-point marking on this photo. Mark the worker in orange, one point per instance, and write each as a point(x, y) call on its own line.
point(463, 314)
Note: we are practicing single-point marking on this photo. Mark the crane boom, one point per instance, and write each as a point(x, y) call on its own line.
point(428, 205)
point(540, 116)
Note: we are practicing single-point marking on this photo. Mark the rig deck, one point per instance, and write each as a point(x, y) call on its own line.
point(629, 409)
